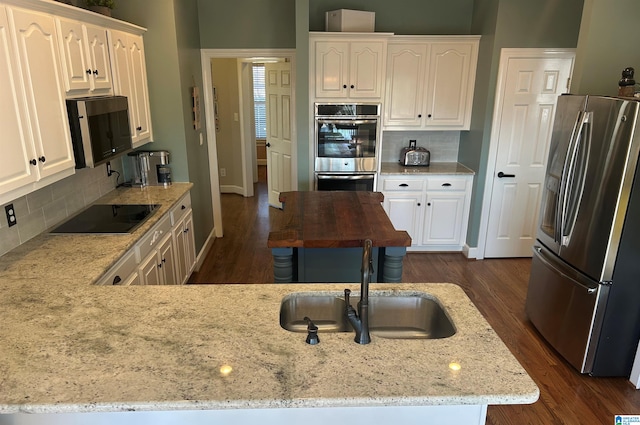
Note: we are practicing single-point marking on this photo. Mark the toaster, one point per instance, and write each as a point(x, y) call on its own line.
point(413, 155)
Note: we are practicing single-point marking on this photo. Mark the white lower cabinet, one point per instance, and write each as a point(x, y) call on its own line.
point(159, 267)
point(165, 255)
point(433, 209)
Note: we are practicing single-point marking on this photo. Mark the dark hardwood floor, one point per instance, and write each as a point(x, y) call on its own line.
point(496, 286)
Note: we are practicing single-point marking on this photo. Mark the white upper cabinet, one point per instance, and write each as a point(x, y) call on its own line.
point(86, 65)
point(130, 79)
point(348, 66)
point(15, 167)
point(430, 82)
point(47, 113)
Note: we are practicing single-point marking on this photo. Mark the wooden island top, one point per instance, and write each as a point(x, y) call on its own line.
point(335, 219)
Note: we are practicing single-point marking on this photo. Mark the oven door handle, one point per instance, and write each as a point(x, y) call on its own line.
point(346, 122)
point(345, 176)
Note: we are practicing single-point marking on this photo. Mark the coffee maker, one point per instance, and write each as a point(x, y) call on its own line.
point(151, 168)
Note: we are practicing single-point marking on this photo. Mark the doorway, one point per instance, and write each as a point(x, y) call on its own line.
point(244, 150)
point(529, 83)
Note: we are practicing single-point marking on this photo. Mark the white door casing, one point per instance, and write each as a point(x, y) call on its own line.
point(529, 83)
point(206, 56)
point(279, 130)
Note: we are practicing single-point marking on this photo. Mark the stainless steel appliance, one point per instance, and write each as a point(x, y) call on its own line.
point(99, 129)
point(413, 155)
point(584, 288)
point(346, 145)
point(151, 168)
point(107, 218)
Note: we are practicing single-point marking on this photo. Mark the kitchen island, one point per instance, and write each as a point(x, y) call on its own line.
point(76, 353)
point(323, 236)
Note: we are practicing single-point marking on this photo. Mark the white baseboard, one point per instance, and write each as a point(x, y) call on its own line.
point(205, 249)
point(470, 252)
point(231, 189)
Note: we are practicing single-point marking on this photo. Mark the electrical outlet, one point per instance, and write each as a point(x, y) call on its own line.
point(11, 215)
point(109, 172)
point(223, 172)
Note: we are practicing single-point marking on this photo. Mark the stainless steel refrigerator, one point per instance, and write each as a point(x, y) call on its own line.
point(584, 289)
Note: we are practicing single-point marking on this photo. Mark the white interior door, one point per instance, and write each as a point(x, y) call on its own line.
point(278, 99)
point(525, 108)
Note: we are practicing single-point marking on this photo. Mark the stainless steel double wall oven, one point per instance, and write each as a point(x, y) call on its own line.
point(346, 145)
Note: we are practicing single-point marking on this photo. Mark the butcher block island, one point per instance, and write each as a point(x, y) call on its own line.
point(323, 234)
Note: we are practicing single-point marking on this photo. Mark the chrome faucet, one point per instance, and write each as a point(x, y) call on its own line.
point(360, 319)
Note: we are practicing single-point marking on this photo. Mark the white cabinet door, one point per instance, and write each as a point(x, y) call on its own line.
point(406, 67)
point(39, 60)
point(450, 89)
point(167, 263)
point(149, 270)
point(130, 80)
point(366, 69)
point(348, 69)
point(332, 65)
point(443, 219)
point(17, 148)
point(99, 56)
point(86, 67)
point(405, 210)
point(185, 248)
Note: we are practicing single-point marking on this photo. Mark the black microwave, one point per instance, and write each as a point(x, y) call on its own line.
point(100, 129)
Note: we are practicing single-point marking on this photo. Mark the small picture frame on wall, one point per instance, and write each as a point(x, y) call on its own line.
point(195, 103)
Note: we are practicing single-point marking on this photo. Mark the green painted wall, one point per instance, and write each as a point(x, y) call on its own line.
point(173, 66)
point(247, 24)
point(302, 94)
point(507, 23)
point(402, 16)
point(608, 41)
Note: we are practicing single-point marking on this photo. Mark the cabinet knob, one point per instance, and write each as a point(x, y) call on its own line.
point(95, 72)
point(418, 204)
point(429, 116)
point(183, 207)
point(160, 265)
point(139, 128)
point(428, 204)
point(446, 184)
point(164, 260)
point(352, 86)
point(344, 86)
point(186, 230)
point(419, 115)
point(33, 162)
point(403, 185)
point(88, 72)
point(113, 150)
point(42, 159)
point(116, 280)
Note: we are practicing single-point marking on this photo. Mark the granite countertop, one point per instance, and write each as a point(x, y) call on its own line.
point(70, 346)
point(82, 259)
point(433, 168)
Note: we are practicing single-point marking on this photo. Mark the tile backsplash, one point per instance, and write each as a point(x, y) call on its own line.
point(443, 145)
point(46, 207)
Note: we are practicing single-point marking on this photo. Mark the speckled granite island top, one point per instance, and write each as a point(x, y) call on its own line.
point(68, 348)
point(433, 168)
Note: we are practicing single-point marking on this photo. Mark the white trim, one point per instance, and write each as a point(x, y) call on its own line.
point(505, 55)
point(230, 188)
point(470, 252)
point(206, 247)
point(205, 56)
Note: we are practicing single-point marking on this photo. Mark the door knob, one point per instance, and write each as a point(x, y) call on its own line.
point(501, 175)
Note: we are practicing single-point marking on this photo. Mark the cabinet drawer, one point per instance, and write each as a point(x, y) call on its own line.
point(402, 184)
point(120, 273)
point(446, 183)
point(180, 209)
point(154, 236)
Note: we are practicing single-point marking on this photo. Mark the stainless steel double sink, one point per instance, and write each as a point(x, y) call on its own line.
point(397, 315)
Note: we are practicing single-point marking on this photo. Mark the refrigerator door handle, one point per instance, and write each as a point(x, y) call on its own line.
point(569, 177)
point(543, 256)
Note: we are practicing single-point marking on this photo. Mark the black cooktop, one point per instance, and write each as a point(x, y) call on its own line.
point(105, 218)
